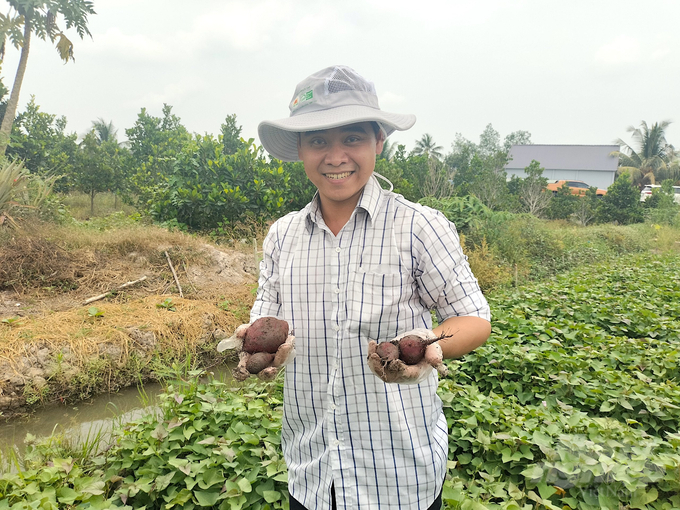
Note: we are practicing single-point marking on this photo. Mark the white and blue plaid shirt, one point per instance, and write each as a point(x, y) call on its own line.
point(383, 446)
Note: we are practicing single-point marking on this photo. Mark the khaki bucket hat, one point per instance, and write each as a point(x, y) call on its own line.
point(335, 96)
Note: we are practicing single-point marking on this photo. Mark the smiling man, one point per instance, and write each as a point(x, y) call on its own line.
point(361, 265)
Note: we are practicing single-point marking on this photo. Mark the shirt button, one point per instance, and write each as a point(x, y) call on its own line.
point(337, 291)
point(336, 327)
point(333, 407)
point(336, 442)
point(338, 250)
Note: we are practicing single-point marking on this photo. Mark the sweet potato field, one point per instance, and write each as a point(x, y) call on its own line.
point(575, 400)
point(573, 403)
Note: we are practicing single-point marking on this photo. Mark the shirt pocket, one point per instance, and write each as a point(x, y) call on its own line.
point(378, 303)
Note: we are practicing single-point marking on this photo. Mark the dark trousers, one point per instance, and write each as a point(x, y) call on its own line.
point(296, 505)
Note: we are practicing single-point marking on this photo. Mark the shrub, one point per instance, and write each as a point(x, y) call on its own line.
point(621, 204)
point(563, 204)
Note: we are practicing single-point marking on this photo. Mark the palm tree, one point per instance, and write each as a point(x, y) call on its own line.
point(426, 146)
point(652, 159)
point(38, 17)
point(389, 148)
point(104, 131)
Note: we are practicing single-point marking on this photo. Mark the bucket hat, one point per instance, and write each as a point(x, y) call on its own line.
point(333, 97)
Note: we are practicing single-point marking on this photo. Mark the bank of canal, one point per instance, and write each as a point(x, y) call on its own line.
point(86, 420)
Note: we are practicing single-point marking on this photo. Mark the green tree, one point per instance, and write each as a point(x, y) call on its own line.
point(489, 141)
point(621, 204)
point(231, 135)
point(393, 173)
point(300, 188)
point(661, 206)
point(483, 177)
point(519, 137)
point(96, 167)
point(40, 140)
point(40, 17)
point(563, 204)
point(479, 169)
point(389, 149)
point(104, 131)
point(426, 146)
point(206, 187)
point(651, 158)
point(532, 190)
point(154, 143)
point(585, 210)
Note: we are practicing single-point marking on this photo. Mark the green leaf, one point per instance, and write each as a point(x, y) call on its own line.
point(533, 472)
point(546, 490)
point(244, 485)
point(163, 481)
point(207, 498)
point(67, 496)
point(641, 498)
point(625, 403)
point(271, 496)
point(211, 477)
point(464, 458)
point(606, 406)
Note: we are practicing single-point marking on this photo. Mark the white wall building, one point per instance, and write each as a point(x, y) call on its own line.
point(591, 164)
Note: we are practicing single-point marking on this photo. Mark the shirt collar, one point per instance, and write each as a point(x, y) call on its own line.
point(370, 201)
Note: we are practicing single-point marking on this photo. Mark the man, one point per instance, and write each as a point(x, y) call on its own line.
point(360, 265)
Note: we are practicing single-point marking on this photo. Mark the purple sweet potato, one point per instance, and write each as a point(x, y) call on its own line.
point(266, 334)
point(412, 348)
point(258, 362)
point(387, 351)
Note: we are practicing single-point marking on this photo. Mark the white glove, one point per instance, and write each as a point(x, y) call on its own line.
point(396, 371)
point(284, 355)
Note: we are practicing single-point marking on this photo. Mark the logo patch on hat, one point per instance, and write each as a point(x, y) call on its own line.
point(304, 97)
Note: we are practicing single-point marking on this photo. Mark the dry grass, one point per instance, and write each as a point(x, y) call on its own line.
point(85, 335)
point(51, 269)
point(486, 266)
point(54, 258)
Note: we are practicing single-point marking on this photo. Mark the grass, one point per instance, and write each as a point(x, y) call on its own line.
point(104, 204)
point(521, 250)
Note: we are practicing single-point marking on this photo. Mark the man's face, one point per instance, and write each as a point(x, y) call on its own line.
point(339, 161)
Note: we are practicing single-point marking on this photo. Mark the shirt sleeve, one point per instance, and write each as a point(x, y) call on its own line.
point(444, 277)
point(268, 298)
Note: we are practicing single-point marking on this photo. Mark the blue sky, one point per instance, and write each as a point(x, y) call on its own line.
point(568, 72)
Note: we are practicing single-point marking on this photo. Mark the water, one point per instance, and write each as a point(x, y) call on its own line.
point(89, 418)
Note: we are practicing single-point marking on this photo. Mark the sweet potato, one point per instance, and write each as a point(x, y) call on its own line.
point(266, 334)
point(410, 349)
point(259, 361)
point(387, 351)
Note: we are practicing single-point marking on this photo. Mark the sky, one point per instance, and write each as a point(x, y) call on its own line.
point(569, 72)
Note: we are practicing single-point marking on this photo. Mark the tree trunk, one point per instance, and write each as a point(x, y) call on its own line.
point(92, 194)
point(11, 110)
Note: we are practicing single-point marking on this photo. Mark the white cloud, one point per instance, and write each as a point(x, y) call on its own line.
point(441, 13)
point(390, 98)
point(171, 93)
point(244, 25)
point(136, 47)
point(622, 50)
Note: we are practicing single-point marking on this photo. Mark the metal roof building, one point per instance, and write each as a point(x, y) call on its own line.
point(591, 164)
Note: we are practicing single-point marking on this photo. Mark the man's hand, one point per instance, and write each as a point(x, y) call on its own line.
point(396, 371)
point(284, 355)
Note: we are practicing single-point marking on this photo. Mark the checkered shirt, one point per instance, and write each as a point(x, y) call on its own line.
point(383, 446)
